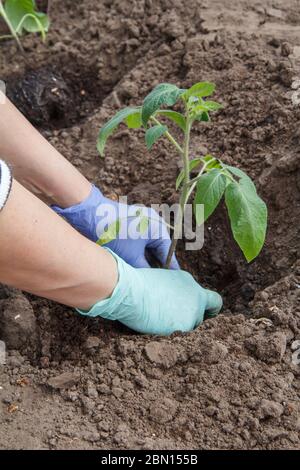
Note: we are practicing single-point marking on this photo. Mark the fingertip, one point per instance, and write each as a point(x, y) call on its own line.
point(214, 304)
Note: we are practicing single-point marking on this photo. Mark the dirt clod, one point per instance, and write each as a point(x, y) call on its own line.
point(164, 411)
point(17, 322)
point(270, 409)
point(92, 342)
point(162, 353)
point(268, 348)
point(64, 380)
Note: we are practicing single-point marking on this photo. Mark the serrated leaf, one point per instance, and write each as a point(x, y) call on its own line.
point(153, 134)
point(134, 121)
point(110, 233)
point(178, 118)
point(163, 94)
point(248, 216)
point(210, 189)
point(192, 164)
point(200, 89)
point(111, 125)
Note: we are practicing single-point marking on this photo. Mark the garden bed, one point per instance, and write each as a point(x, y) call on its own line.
point(78, 383)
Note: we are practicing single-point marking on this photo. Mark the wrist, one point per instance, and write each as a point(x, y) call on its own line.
point(91, 199)
point(74, 195)
point(119, 305)
point(99, 284)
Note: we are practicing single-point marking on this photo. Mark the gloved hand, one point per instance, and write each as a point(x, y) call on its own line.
point(157, 301)
point(92, 216)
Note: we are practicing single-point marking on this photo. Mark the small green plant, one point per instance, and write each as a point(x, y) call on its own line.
point(22, 16)
point(215, 179)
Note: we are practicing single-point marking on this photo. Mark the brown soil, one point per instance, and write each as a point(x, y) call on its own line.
point(77, 383)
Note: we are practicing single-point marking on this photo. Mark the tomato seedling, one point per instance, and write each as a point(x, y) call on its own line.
point(22, 16)
point(215, 179)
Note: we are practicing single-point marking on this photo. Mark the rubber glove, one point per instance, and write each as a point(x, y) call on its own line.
point(92, 216)
point(156, 301)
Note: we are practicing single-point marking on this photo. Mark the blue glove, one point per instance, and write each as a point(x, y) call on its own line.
point(157, 301)
point(92, 216)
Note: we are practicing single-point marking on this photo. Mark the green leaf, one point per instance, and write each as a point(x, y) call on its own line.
point(204, 117)
point(210, 189)
point(238, 172)
point(22, 15)
point(134, 121)
point(192, 164)
point(36, 23)
point(212, 105)
point(143, 222)
point(200, 112)
point(178, 118)
point(153, 134)
point(110, 233)
point(200, 89)
point(199, 214)
point(111, 125)
point(248, 216)
point(163, 94)
point(211, 162)
point(208, 160)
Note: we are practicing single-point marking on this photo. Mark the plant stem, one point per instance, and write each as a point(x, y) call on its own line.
point(186, 161)
point(10, 26)
point(184, 194)
point(169, 136)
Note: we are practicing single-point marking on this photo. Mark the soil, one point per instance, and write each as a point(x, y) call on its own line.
point(77, 383)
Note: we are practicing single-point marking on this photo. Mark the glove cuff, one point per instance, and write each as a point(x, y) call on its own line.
point(94, 198)
point(113, 307)
point(82, 215)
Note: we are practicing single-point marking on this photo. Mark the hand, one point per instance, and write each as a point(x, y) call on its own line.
point(157, 301)
point(96, 213)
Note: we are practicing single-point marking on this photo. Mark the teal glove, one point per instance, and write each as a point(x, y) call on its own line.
point(156, 301)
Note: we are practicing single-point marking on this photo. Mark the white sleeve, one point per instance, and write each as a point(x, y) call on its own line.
point(5, 183)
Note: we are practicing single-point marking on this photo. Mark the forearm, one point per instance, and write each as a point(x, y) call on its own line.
point(42, 254)
point(36, 164)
